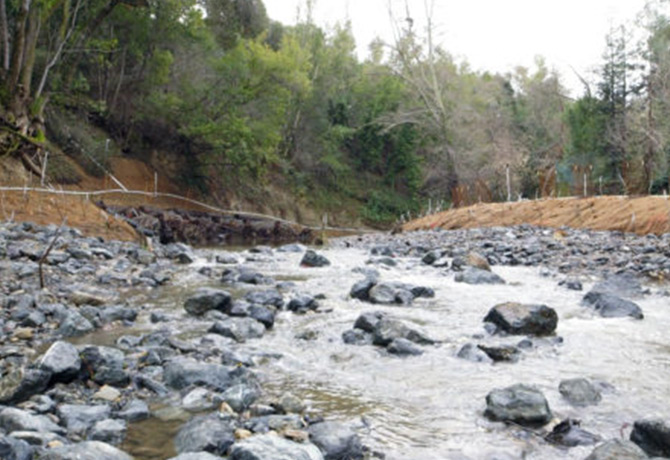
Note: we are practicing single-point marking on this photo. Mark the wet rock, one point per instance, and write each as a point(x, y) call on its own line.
point(239, 329)
point(302, 304)
point(294, 248)
point(431, 257)
point(519, 319)
point(110, 431)
point(507, 353)
point(403, 347)
point(336, 441)
point(200, 400)
point(239, 397)
point(207, 433)
point(269, 447)
point(368, 320)
point(568, 433)
point(572, 284)
point(206, 299)
point(134, 411)
point(472, 352)
point(617, 449)
point(88, 450)
point(477, 276)
point(263, 314)
point(89, 296)
point(15, 449)
point(579, 392)
point(277, 423)
point(312, 259)
point(290, 404)
point(383, 293)
point(74, 325)
point(62, 361)
point(13, 419)
point(387, 330)
point(104, 365)
point(611, 306)
point(476, 260)
point(621, 285)
point(107, 393)
point(357, 337)
point(182, 372)
point(19, 384)
point(520, 404)
point(653, 437)
point(79, 418)
point(268, 297)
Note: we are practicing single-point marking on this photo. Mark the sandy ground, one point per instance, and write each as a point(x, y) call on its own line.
point(641, 215)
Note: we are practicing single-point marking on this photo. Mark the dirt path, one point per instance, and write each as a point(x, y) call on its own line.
point(641, 215)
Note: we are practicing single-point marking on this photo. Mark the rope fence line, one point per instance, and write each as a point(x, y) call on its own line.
point(97, 193)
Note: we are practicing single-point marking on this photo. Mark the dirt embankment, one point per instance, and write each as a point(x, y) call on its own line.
point(641, 215)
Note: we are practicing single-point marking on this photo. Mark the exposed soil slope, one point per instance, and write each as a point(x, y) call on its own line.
point(641, 215)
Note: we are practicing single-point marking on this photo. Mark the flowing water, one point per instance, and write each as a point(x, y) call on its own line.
point(430, 406)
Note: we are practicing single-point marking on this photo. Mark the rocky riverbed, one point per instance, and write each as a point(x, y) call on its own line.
point(480, 344)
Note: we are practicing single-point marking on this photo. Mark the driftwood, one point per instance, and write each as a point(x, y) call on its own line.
point(47, 251)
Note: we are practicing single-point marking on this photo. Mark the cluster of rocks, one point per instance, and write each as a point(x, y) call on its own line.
point(207, 228)
point(79, 400)
point(566, 251)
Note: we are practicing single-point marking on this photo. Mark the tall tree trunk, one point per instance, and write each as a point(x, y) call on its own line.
point(19, 43)
point(34, 24)
point(4, 35)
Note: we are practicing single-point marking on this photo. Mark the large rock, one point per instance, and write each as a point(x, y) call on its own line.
point(387, 330)
point(403, 347)
point(15, 449)
point(617, 449)
point(182, 372)
point(361, 289)
point(104, 365)
point(74, 325)
point(62, 361)
point(477, 276)
point(266, 297)
point(653, 436)
point(622, 285)
point(471, 352)
point(20, 383)
point(611, 306)
point(89, 450)
point(109, 430)
point(520, 404)
point(518, 319)
point(206, 434)
point(579, 392)
point(568, 433)
point(336, 441)
point(239, 397)
point(269, 447)
point(368, 321)
point(206, 299)
point(312, 259)
point(79, 418)
point(13, 419)
point(239, 329)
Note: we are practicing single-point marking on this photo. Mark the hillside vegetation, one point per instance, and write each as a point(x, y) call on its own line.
point(229, 106)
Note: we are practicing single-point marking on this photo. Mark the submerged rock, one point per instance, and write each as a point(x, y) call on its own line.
point(336, 440)
point(520, 404)
point(478, 276)
point(387, 330)
point(617, 449)
point(579, 392)
point(611, 306)
point(239, 329)
point(206, 299)
point(519, 319)
point(312, 259)
point(568, 433)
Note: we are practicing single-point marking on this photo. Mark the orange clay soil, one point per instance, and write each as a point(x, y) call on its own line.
point(641, 215)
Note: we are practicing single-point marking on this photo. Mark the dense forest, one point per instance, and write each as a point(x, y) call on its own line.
point(244, 99)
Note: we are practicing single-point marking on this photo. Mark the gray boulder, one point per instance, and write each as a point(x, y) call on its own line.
point(477, 276)
point(206, 299)
point(361, 289)
point(88, 450)
point(611, 306)
point(269, 447)
point(62, 361)
point(207, 433)
point(239, 329)
point(104, 365)
point(336, 441)
point(568, 433)
point(617, 449)
point(266, 297)
point(621, 285)
point(383, 293)
point(520, 404)
point(403, 347)
point(368, 321)
point(20, 383)
point(79, 418)
point(13, 419)
point(182, 372)
point(518, 319)
point(110, 431)
point(499, 353)
point(15, 449)
point(134, 410)
point(653, 437)
point(74, 325)
point(471, 352)
point(312, 259)
point(302, 304)
point(579, 392)
point(387, 330)
point(239, 397)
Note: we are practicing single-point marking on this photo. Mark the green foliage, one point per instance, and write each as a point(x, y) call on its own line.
point(383, 207)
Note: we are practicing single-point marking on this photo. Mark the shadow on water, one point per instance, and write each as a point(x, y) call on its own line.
point(152, 439)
